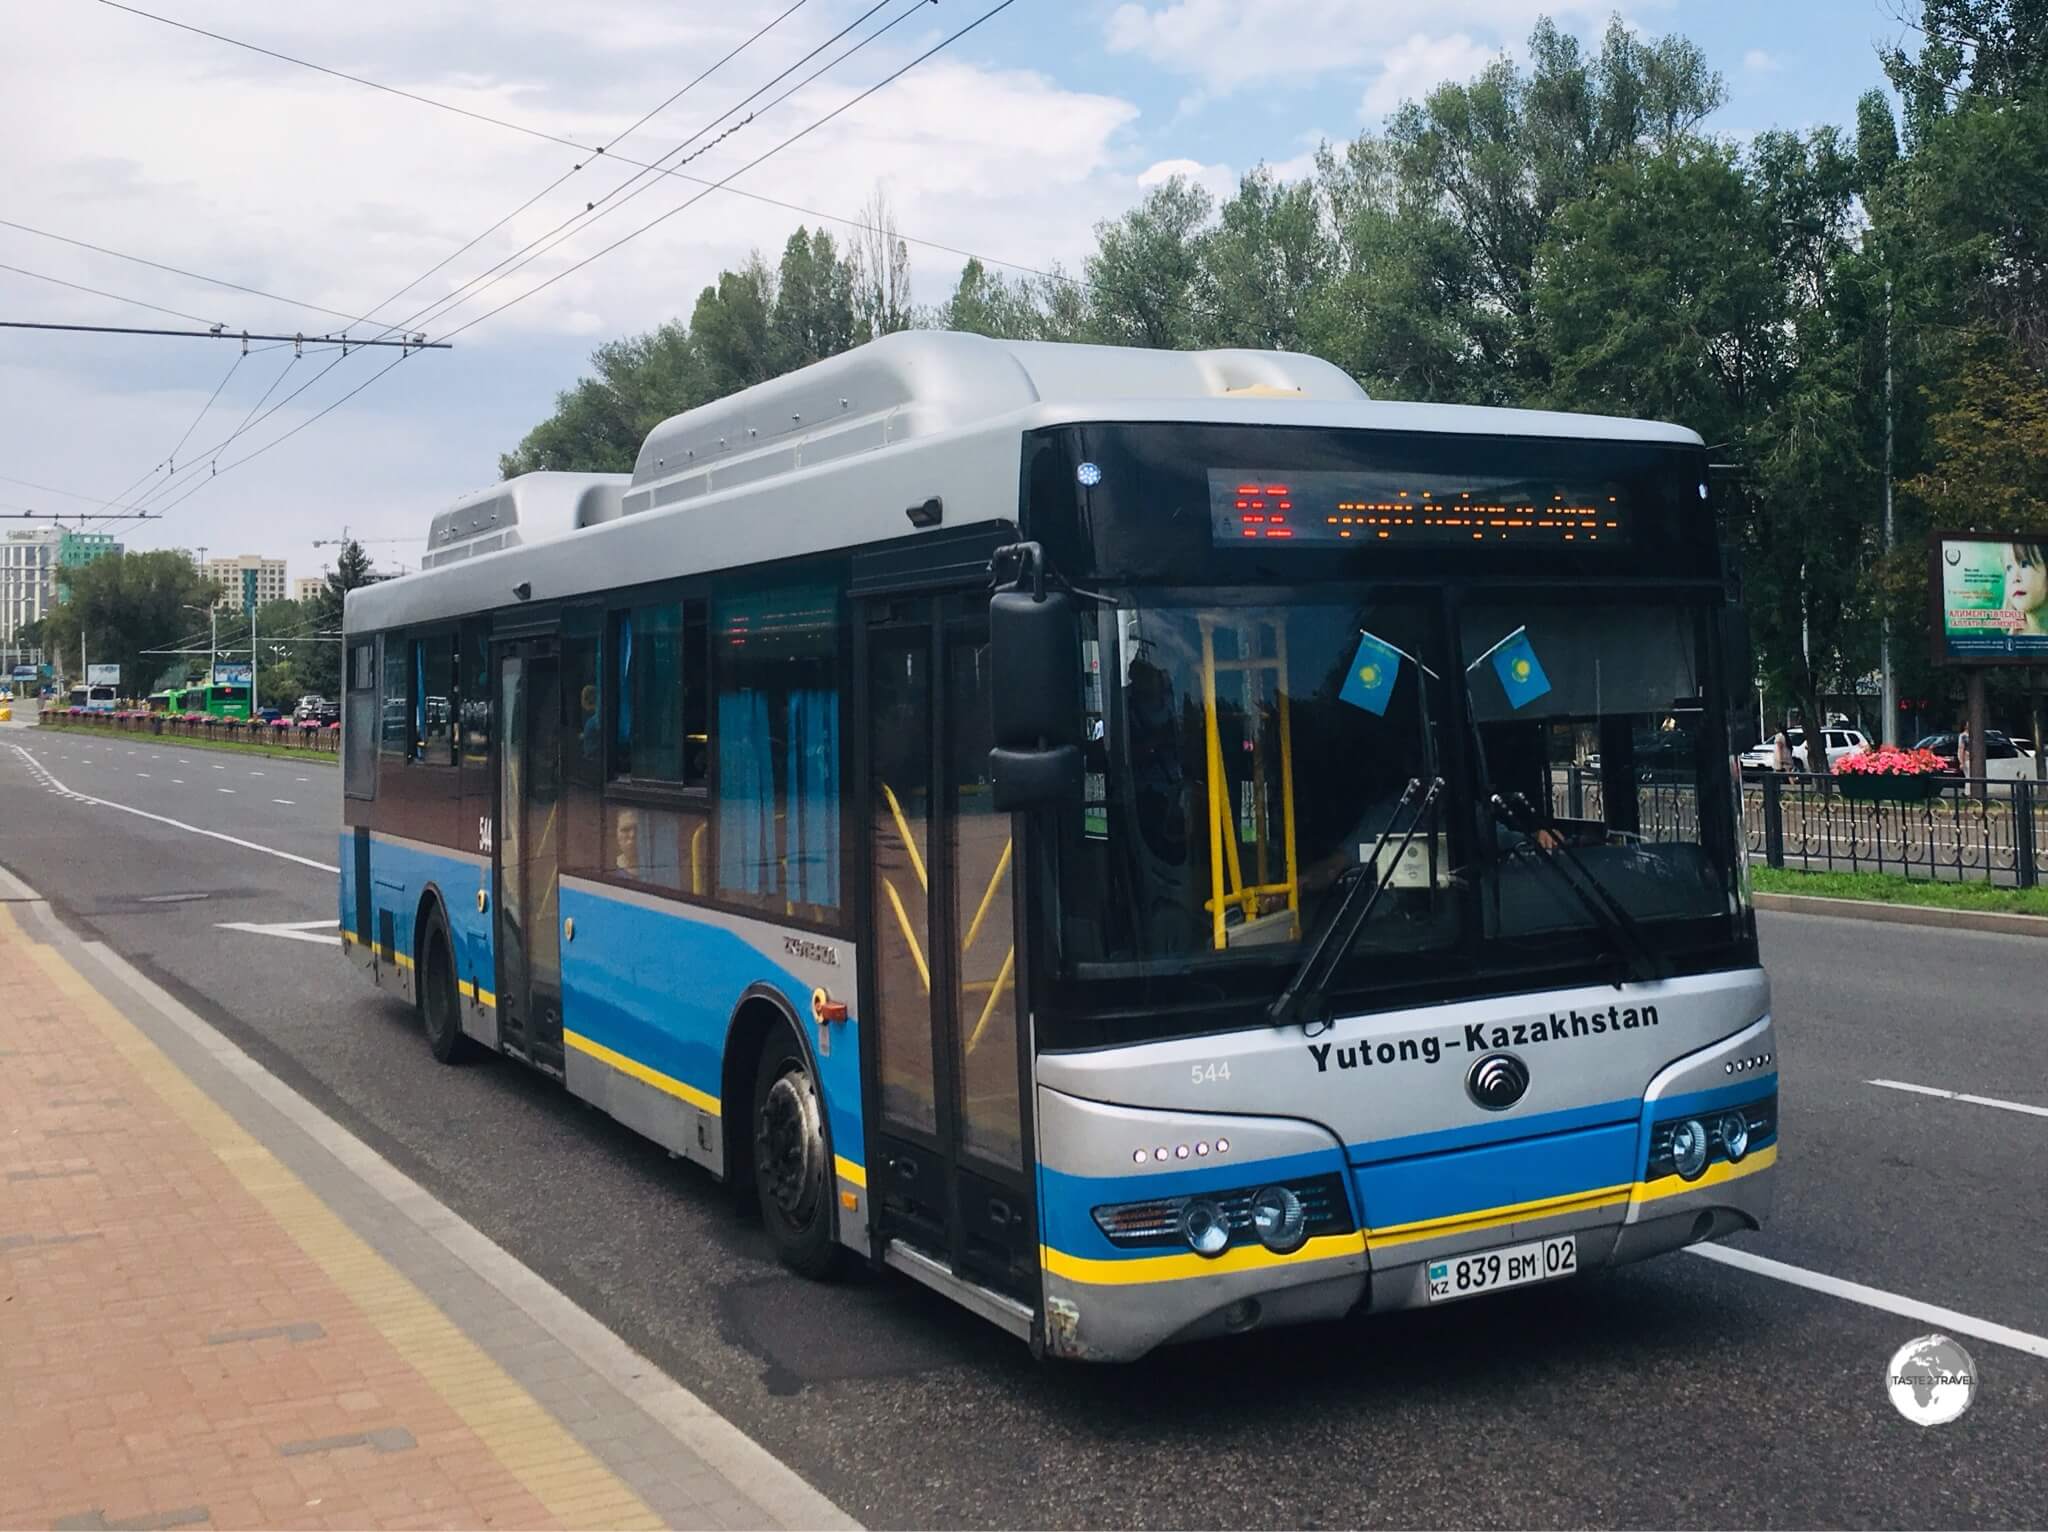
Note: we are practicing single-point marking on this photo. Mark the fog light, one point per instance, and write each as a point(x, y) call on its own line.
point(1689, 1148)
point(1204, 1227)
point(1279, 1219)
point(1735, 1135)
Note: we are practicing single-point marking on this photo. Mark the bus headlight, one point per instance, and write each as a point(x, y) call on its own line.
point(1689, 1148)
point(1281, 1215)
point(1204, 1227)
point(1279, 1219)
point(1734, 1135)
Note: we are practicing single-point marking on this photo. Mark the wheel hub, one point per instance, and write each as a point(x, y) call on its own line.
point(789, 1145)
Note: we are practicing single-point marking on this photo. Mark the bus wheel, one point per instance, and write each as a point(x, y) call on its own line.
point(440, 1005)
point(790, 1160)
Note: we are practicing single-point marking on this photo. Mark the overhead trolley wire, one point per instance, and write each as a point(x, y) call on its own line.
point(580, 165)
point(759, 159)
point(196, 276)
point(889, 79)
point(79, 287)
point(588, 215)
point(587, 149)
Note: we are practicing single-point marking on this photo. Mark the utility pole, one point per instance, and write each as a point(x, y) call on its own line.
point(1888, 685)
point(253, 663)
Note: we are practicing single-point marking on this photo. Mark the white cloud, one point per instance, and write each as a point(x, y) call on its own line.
point(1419, 65)
point(213, 159)
point(1756, 61)
point(1231, 44)
point(1219, 181)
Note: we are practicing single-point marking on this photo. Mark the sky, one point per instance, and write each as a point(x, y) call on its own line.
point(337, 201)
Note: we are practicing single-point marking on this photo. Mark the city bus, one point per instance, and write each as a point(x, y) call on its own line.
point(1148, 845)
point(218, 700)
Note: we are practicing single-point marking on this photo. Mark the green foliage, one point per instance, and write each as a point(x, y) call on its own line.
point(1888, 888)
point(125, 604)
point(1561, 233)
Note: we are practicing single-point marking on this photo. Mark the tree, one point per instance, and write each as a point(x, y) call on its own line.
point(880, 273)
point(813, 314)
point(598, 425)
point(1266, 267)
point(125, 605)
point(1147, 267)
point(1502, 156)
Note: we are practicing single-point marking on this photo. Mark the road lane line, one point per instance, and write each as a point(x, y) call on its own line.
point(227, 790)
point(179, 780)
point(285, 801)
point(1875, 1298)
point(1956, 1095)
point(175, 824)
point(291, 932)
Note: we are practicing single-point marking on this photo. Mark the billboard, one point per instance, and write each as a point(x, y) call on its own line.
point(231, 672)
point(103, 675)
point(1990, 599)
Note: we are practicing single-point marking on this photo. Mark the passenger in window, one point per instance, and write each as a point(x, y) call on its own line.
point(626, 843)
point(588, 730)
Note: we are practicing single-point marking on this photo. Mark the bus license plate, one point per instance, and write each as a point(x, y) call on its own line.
point(1486, 1271)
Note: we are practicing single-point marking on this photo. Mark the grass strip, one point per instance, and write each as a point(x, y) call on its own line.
point(198, 742)
point(1890, 888)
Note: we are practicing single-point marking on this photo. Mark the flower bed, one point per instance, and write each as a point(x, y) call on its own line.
point(1890, 775)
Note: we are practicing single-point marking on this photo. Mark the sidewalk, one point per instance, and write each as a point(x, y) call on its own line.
point(217, 1308)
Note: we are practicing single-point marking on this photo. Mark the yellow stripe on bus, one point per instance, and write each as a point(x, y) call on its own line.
point(640, 1072)
point(848, 1171)
point(1178, 1267)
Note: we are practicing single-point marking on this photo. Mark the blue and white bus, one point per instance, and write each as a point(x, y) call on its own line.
point(1149, 845)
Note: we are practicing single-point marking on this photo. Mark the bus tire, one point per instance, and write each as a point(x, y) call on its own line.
point(791, 1159)
point(440, 1000)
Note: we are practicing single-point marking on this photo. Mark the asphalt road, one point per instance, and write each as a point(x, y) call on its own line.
point(1677, 1392)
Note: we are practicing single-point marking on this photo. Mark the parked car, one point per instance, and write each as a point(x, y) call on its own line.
point(2004, 761)
point(309, 706)
point(328, 712)
point(1836, 742)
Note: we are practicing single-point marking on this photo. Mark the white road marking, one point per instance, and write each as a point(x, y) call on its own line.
point(228, 790)
point(255, 773)
point(143, 774)
point(292, 931)
point(220, 768)
point(1876, 1298)
point(179, 780)
point(1956, 1095)
point(298, 779)
point(164, 819)
point(285, 801)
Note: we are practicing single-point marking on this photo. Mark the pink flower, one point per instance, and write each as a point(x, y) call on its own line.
point(1890, 761)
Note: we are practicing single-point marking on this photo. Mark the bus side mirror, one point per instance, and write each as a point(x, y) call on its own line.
point(1034, 699)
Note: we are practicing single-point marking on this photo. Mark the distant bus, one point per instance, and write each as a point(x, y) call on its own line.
point(216, 701)
point(94, 699)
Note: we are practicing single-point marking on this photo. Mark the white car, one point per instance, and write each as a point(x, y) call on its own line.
point(1836, 742)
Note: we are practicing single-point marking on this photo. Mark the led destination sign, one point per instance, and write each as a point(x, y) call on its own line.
point(1322, 506)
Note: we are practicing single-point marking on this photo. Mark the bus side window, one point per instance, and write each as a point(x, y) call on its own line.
point(778, 750)
point(433, 700)
point(359, 722)
point(396, 700)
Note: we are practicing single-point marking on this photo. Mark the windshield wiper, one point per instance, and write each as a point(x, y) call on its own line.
point(1639, 958)
point(1305, 996)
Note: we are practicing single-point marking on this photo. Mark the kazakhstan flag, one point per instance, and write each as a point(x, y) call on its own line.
point(1370, 684)
point(1521, 673)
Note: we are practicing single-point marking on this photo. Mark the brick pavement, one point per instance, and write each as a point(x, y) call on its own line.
point(191, 1335)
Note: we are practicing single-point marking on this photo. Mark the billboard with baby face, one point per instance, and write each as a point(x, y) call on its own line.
point(1990, 598)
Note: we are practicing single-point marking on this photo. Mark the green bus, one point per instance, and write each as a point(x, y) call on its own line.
point(219, 701)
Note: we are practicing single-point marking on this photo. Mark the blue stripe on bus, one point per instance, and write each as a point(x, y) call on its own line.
point(1474, 1170)
point(652, 984)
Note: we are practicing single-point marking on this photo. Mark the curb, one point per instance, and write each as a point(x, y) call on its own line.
point(1905, 914)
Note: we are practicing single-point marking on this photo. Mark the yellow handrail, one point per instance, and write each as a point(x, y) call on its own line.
point(909, 845)
point(1224, 857)
point(987, 899)
point(1002, 983)
point(924, 971)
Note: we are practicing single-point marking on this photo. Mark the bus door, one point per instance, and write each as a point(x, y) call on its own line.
point(947, 1168)
point(526, 849)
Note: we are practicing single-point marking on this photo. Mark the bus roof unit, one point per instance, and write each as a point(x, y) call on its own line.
point(928, 382)
point(527, 509)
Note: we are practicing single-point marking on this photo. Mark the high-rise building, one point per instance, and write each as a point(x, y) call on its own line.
point(249, 576)
point(28, 586)
point(77, 549)
point(306, 587)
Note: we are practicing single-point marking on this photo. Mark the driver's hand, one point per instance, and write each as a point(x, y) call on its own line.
point(1549, 839)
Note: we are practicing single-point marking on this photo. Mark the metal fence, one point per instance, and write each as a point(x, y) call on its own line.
point(1971, 830)
point(314, 739)
point(1976, 830)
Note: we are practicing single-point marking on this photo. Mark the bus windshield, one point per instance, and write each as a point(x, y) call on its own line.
point(1253, 746)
